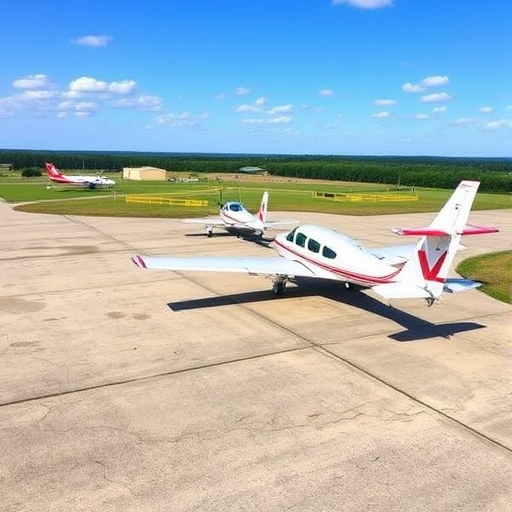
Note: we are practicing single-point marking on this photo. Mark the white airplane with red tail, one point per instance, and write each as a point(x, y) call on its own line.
point(234, 218)
point(402, 272)
point(91, 182)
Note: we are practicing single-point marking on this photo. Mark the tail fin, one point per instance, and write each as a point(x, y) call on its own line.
point(262, 212)
point(425, 274)
point(52, 171)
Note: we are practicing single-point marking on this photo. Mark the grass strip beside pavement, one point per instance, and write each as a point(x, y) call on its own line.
point(494, 270)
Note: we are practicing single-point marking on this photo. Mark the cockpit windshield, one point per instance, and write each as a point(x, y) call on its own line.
point(235, 207)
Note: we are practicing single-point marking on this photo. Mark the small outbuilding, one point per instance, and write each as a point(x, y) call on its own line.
point(144, 173)
point(253, 170)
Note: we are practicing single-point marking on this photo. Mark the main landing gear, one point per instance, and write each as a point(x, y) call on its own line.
point(209, 231)
point(430, 301)
point(279, 285)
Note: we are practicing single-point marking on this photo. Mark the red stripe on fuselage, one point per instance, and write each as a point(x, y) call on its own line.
point(352, 276)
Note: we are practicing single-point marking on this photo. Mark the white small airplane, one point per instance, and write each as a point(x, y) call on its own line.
point(234, 218)
point(402, 272)
point(91, 182)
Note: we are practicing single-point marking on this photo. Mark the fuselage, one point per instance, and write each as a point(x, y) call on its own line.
point(331, 255)
point(234, 213)
point(84, 181)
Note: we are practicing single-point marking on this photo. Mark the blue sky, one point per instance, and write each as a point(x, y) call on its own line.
point(343, 77)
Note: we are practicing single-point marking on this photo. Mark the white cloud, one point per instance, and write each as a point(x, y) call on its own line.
point(247, 108)
point(86, 84)
point(434, 81)
point(141, 102)
point(435, 97)
point(465, 121)
point(281, 120)
point(326, 92)
point(282, 109)
point(94, 41)
point(485, 110)
point(254, 121)
point(273, 120)
point(84, 96)
point(257, 106)
point(409, 87)
point(439, 109)
point(76, 108)
point(85, 106)
point(123, 87)
point(241, 91)
point(425, 83)
point(183, 120)
point(422, 117)
point(384, 103)
point(381, 115)
point(31, 82)
point(365, 4)
point(38, 95)
point(220, 96)
point(499, 124)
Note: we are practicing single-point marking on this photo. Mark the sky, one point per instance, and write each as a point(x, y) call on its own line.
point(316, 77)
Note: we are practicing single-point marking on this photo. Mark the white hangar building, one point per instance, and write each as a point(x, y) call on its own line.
point(144, 173)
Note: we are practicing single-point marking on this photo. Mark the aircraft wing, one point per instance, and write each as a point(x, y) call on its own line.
point(249, 265)
point(206, 221)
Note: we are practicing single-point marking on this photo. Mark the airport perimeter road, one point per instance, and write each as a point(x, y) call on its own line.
point(130, 390)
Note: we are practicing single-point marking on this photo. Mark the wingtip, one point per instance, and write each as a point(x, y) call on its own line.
point(139, 261)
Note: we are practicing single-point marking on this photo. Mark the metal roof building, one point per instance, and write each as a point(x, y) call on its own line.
point(144, 173)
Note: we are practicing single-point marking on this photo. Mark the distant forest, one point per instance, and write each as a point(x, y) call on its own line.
point(495, 174)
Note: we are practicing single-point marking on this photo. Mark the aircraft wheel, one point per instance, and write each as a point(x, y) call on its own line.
point(209, 232)
point(279, 287)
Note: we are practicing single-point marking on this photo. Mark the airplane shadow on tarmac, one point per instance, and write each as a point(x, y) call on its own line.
point(415, 328)
point(247, 237)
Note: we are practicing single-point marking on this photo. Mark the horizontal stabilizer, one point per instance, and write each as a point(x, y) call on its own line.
point(430, 231)
point(455, 285)
point(407, 291)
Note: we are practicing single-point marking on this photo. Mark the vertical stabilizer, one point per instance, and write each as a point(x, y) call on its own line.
point(262, 212)
point(425, 273)
point(52, 171)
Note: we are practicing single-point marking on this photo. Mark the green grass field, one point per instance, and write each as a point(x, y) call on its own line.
point(285, 195)
point(494, 271)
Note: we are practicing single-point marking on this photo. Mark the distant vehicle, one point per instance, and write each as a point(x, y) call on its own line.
point(234, 218)
point(90, 182)
point(401, 272)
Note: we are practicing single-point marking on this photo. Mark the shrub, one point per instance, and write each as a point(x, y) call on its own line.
point(31, 172)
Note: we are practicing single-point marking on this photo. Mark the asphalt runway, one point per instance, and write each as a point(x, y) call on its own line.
point(130, 390)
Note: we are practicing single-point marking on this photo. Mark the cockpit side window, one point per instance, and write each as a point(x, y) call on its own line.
point(290, 235)
point(300, 239)
point(313, 245)
point(328, 253)
point(235, 207)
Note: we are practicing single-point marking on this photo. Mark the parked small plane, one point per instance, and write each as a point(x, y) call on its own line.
point(91, 182)
point(410, 271)
point(234, 218)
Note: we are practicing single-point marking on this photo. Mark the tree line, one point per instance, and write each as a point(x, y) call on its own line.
point(495, 174)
